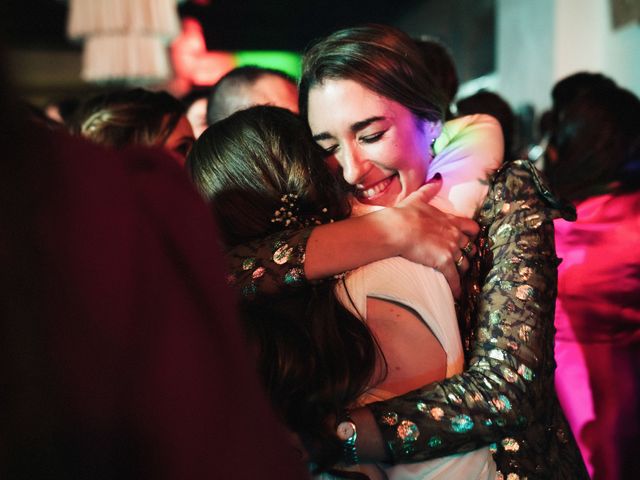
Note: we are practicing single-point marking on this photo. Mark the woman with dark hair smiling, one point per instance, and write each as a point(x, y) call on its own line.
point(263, 174)
point(366, 95)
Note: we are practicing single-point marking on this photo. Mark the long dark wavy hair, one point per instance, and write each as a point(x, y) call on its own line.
point(379, 57)
point(314, 357)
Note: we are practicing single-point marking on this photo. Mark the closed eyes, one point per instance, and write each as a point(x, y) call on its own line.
point(329, 150)
point(373, 137)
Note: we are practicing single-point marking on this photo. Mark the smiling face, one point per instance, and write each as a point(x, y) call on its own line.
point(381, 146)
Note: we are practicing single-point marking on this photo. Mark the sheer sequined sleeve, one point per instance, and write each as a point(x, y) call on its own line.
point(511, 355)
point(269, 265)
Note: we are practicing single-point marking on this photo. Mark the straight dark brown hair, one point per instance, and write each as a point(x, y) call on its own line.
point(379, 57)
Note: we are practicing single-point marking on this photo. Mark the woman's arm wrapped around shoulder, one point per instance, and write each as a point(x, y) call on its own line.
point(412, 229)
point(268, 265)
point(512, 350)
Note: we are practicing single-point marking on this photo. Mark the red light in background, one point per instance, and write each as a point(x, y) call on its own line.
point(192, 62)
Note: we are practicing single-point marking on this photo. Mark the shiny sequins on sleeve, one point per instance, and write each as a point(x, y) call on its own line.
point(505, 398)
point(269, 265)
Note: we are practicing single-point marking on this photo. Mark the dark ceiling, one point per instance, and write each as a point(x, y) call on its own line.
point(285, 24)
point(228, 24)
point(466, 26)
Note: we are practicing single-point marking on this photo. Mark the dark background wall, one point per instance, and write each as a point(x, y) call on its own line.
point(467, 26)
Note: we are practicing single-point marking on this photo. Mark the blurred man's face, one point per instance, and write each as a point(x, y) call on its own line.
point(269, 90)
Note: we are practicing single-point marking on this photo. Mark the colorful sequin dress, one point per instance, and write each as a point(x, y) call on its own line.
point(425, 292)
point(506, 396)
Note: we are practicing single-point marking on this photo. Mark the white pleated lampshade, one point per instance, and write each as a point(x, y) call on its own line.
point(132, 58)
point(125, 40)
point(90, 17)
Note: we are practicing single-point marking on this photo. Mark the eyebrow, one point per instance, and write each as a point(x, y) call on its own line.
point(356, 127)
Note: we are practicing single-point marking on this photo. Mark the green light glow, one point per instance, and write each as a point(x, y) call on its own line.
point(287, 62)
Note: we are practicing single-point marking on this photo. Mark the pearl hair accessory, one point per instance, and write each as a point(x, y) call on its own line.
point(288, 215)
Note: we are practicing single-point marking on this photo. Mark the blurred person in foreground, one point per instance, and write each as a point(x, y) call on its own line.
point(120, 353)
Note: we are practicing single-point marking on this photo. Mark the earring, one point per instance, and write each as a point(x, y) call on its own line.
point(432, 147)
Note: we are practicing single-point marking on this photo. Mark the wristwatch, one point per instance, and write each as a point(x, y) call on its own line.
point(347, 433)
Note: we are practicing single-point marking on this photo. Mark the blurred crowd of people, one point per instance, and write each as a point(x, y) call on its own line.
point(146, 274)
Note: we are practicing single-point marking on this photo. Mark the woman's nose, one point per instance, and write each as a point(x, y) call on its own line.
point(353, 165)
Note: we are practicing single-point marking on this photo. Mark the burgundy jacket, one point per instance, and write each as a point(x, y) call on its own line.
point(120, 352)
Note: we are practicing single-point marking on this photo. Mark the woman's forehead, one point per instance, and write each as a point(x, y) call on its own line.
point(338, 100)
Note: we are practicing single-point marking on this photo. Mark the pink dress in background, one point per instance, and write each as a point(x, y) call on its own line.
point(598, 338)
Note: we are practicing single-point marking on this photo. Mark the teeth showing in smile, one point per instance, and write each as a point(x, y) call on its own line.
point(376, 189)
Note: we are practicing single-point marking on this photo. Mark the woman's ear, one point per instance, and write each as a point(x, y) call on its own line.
point(432, 129)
